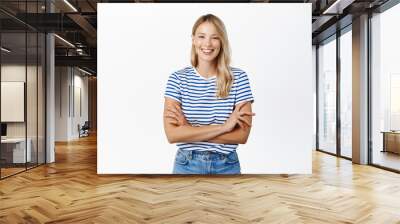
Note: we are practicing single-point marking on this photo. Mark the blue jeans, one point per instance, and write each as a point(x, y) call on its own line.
point(206, 162)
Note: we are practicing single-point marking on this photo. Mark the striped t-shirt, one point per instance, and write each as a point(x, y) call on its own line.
point(197, 96)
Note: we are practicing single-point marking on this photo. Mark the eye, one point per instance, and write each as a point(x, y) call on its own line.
point(201, 36)
point(215, 38)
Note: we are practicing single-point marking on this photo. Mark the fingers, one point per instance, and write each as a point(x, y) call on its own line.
point(244, 125)
point(173, 110)
point(241, 124)
point(245, 121)
point(247, 113)
point(171, 118)
point(176, 113)
point(170, 115)
point(178, 108)
point(174, 122)
point(241, 119)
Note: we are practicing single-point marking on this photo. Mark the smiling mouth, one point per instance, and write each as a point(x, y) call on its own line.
point(207, 51)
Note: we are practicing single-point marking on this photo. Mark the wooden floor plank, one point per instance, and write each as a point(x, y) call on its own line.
point(70, 191)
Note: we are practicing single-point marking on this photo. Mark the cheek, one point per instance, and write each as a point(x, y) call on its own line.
point(197, 43)
point(217, 45)
point(218, 48)
point(196, 48)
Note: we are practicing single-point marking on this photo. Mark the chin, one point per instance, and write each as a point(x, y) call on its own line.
point(208, 58)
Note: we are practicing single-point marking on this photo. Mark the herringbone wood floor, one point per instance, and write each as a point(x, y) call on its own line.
point(70, 191)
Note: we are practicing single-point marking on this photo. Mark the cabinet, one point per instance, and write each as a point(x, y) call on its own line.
point(13, 150)
point(391, 141)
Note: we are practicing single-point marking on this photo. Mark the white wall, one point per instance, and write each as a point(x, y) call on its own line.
point(272, 42)
point(61, 103)
point(80, 84)
point(68, 81)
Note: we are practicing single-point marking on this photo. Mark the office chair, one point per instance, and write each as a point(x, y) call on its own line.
point(84, 130)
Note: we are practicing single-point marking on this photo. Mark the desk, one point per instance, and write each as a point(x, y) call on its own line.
point(16, 151)
point(391, 141)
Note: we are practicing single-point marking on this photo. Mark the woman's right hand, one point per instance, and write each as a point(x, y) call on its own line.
point(175, 115)
point(237, 118)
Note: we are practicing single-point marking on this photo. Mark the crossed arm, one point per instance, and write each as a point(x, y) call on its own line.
point(235, 130)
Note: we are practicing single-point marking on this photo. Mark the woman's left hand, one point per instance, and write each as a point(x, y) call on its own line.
point(237, 118)
point(176, 115)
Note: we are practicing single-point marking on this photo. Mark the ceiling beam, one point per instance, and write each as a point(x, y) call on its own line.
point(84, 24)
point(85, 61)
point(337, 6)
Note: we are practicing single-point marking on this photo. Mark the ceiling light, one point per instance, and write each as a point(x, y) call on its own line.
point(5, 49)
point(70, 5)
point(64, 40)
point(86, 72)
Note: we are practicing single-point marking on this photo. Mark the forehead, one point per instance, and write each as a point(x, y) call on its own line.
point(207, 27)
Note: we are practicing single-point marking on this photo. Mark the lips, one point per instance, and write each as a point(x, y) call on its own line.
point(207, 51)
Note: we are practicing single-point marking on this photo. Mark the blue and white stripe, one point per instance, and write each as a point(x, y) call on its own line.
point(200, 105)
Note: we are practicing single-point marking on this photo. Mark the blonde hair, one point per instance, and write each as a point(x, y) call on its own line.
point(224, 76)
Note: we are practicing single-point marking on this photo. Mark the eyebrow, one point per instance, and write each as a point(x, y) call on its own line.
point(211, 34)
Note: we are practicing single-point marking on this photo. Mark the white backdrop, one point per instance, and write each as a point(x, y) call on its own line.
point(140, 45)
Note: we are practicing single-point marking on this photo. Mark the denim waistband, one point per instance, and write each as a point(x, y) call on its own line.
point(211, 155)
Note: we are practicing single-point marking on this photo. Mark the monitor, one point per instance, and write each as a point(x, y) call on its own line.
point(3, 129)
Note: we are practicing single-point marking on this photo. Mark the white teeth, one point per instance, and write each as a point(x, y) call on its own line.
point(207, 51)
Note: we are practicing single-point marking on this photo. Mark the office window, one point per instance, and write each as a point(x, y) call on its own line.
point(385, 91)
point(327, 96)
point(346, 94)
point(314, 63)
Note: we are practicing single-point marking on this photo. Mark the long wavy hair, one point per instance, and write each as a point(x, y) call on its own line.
point(224, 76)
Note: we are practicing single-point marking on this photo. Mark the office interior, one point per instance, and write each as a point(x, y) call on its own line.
point(49, 81)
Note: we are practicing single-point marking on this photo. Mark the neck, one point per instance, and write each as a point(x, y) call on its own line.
point(207, 69)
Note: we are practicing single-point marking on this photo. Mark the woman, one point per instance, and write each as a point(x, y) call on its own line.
point(207, 108)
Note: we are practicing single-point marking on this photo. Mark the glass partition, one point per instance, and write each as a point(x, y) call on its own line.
point(32, 95)
point(22, 67)
point(41, 85)
point(13, 109)
point(327, 96)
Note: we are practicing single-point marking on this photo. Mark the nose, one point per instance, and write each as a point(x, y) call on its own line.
point(208, 42)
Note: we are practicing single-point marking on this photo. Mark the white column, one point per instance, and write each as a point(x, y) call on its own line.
point(360, 90)
point(50, 110)
point(50, 93)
